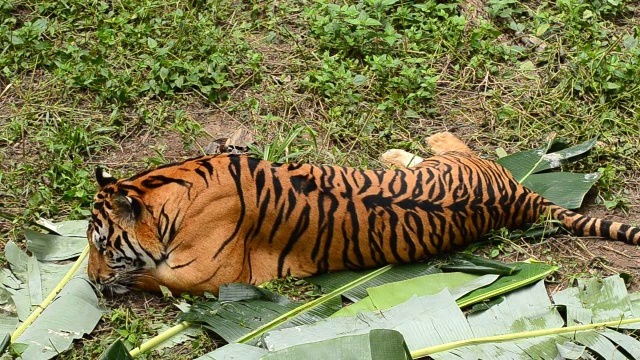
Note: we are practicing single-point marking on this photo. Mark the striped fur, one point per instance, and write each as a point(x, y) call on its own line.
point(194, 225)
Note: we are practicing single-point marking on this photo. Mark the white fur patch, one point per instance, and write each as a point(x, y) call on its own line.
point(400, 158)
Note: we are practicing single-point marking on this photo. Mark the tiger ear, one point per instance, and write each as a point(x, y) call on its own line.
point(126, 207)
point(104, 178)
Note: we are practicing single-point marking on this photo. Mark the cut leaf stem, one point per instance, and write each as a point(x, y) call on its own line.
point(162, 337)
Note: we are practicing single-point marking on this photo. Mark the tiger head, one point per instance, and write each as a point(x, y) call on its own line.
point(123, 245)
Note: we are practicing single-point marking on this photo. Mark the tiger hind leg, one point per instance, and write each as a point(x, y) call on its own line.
point(439, 143)
point(446, 142)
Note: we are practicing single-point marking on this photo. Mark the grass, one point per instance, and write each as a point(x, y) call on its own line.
point(130, 84)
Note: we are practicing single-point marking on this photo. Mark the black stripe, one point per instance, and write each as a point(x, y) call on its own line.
point(414, 223)
point(355, 226)
point(182, 265)
point(207, 165)
point(622, 232)
point(632, 236)
point(276, 224)
point(156, 181)
point(277, 188)
point(252, 164)
point(128, 187)
point(263, 213)
point(173, 229)
point(291, 203)
point(210, 276)
point(163, 223)
point(260, 181)
point(605, 227)
point(235, 171)
point(144, 173)
point(301, 226)
point(203, 176)
point(366, 184)
point(375, 243)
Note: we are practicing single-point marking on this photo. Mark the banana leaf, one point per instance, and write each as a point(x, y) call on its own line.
point(234, 351)
point(387, 295)
point(379, 344)
point(48, 247)
point(72, 228)
point(466, 288)
point(54, 330)
point(9, 319)
point(525, 325)
point(116, 351)
point(250, 311)
point(25, 285)
point(245, 312)
point(29, 284)
point(563, 189)
point(247, 317)
point(333, 281)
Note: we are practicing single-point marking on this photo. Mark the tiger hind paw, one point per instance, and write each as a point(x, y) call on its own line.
point(445, 142)
point(396, 158)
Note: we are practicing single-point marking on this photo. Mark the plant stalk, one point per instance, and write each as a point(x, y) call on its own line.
point(157, 340)
point(418, 354)
point(49, 299)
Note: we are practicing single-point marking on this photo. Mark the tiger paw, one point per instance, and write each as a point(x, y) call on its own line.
point(445, 142)
point(396, 158)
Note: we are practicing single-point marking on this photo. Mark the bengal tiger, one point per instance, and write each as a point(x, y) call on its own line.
point(194, 225)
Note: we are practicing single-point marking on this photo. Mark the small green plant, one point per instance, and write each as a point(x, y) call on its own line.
point(130, 327)
point(189, 130)
point(608, 193)
point(294, 289)
point(288, 146)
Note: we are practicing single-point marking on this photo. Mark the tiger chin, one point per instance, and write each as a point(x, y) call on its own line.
point(194, 225)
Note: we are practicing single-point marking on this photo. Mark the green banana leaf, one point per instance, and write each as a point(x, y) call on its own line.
point(116, 351)
point(253, 311)
point(9, 319)
point(385, 296)
point(234, 351)
point(562, 188)
point(528, 273)
point(245, 312)
point(466, 288)
point(333, 281)
point(49, 247)
point(526, 324)
point(54, 330)
point(380, 344)
point(28, 281)
point(29, 284)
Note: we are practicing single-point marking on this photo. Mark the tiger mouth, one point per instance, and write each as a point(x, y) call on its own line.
point(114, 285)
point(115, 289)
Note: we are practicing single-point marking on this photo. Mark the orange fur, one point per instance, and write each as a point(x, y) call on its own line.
point(218, 219)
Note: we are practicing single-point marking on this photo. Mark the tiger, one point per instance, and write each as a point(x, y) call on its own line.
point(194, 225)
